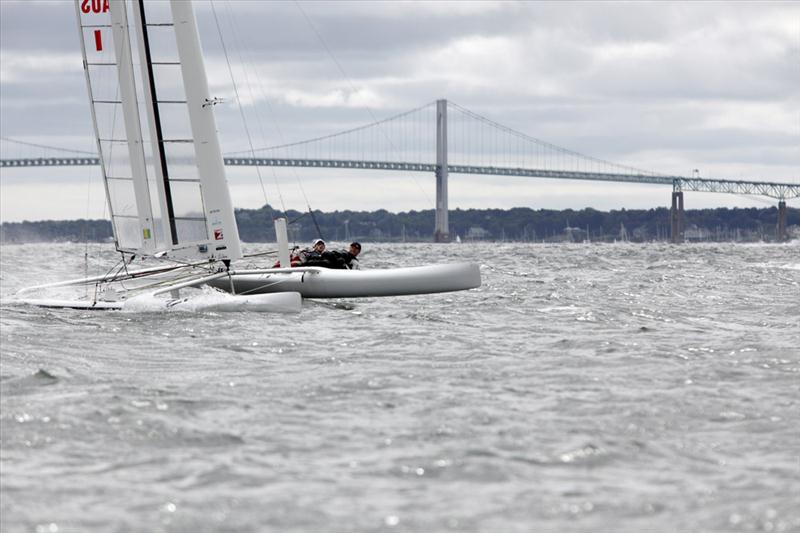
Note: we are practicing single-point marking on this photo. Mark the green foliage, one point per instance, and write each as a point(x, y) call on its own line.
point(56, 231)
point(517, 224)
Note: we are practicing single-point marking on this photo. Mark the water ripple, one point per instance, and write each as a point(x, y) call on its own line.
point(582, 388)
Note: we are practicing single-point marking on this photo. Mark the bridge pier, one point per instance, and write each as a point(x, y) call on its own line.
point(442, 230)
point(781, 233)
point(676, 217)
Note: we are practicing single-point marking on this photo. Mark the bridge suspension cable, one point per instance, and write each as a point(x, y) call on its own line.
point(473, 136)
point(476, 145)
point(339, 134)
point(48, 148)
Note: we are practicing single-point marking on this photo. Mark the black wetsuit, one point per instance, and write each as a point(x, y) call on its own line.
point(331, 259)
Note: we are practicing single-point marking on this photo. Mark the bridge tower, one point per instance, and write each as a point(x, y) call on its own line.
point(676, 217)
point(442, 231)
point(782, 236)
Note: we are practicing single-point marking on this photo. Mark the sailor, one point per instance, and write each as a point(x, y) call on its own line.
point(301, 257)
point(351, 256)
point(315, 252)
point(340, 260)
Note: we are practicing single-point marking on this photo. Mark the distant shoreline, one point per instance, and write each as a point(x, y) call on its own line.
point(515, 225)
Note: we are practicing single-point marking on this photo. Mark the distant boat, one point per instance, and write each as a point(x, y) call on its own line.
point(570, 231)
point(168, 199)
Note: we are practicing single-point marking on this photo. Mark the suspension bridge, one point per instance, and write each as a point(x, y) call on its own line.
point(443, 138)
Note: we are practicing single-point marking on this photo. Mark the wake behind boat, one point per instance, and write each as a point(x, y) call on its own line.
point(166, 188)
point(283, 302)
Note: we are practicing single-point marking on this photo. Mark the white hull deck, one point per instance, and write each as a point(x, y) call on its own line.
point(327, 283)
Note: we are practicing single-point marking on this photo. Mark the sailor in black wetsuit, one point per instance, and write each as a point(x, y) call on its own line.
point(301, 257)
point(316, 251)
point(351, 256)
point(344, 260)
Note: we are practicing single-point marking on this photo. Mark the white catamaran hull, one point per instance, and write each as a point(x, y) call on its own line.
point(327, 283)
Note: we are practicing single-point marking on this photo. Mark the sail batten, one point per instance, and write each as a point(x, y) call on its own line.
point(149, 122)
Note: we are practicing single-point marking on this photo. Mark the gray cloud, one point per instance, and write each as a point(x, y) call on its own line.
point(666, 86)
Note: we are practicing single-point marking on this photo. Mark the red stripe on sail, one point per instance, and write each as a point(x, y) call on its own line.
point(98, 41)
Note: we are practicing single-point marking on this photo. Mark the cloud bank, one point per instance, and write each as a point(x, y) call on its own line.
point(663, 86)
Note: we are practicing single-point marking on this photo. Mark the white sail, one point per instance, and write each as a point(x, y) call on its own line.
point(161, 160)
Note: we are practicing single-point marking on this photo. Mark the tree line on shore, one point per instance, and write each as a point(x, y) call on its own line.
point(517, 224)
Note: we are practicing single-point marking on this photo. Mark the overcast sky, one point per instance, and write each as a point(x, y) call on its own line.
point(666, 86)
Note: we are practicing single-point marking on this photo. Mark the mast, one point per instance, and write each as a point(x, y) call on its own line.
point(219, 208)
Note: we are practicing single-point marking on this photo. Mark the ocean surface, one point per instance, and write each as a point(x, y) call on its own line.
point(583, 387)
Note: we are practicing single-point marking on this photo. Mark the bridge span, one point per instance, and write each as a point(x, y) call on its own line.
point(465, 143)
point(777, 190)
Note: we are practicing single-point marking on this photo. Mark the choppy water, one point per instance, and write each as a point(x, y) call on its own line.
point(583, 388)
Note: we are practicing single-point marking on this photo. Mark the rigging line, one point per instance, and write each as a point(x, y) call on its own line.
point(90, 177)
point(276, 124)
point(250, 65)
point(260, 254)
point(353, 88)
point(239, 102)
point(99, 283)
point(107, 208)
point(301, 217)
point(46, 147)
point(546, 144)
point(338, 134)
point(264, 286)
point(314, 218)
point(182, 275)
point(147, 287)
point(330, 53)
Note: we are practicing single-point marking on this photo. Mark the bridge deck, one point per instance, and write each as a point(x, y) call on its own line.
point(781, 191)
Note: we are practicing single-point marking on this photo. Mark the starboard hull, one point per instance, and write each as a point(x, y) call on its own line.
point(327, 283)
point(284, 302)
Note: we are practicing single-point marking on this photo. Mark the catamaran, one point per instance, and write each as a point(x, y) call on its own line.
point(165, 182)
